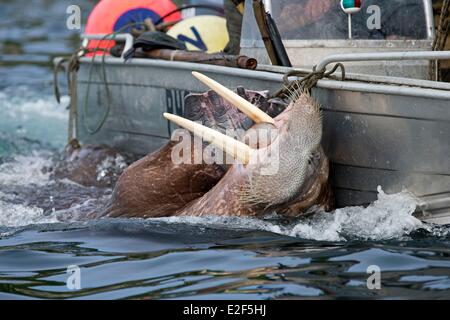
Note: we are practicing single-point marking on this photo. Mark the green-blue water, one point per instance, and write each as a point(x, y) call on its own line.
point(175, 258)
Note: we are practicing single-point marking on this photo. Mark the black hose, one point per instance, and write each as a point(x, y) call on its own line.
point(189, 6)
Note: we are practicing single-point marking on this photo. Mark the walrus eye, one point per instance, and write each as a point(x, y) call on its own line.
point(253, 112)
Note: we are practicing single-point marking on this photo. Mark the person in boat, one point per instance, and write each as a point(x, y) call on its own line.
point(233, 16)
point(324, 19)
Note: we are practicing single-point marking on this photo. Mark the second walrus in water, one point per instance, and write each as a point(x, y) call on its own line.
point(287, 174)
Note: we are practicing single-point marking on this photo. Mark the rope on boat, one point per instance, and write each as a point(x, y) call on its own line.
point(441, 39)
point(308, 81)
point(305, 84)
point(73, 67)
point(109, 37)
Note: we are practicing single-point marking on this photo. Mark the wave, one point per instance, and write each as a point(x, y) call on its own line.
point(32, 116)
point(389, 217)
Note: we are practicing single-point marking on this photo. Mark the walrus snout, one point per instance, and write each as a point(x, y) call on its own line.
point(277, 174)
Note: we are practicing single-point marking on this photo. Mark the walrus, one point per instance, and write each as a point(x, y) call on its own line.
point(155, 186)
point(90, 165)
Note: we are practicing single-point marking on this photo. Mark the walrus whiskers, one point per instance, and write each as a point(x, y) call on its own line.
point(253, 112)
point(233, 147)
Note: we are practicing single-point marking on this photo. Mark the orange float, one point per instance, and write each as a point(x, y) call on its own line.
point(116, 16)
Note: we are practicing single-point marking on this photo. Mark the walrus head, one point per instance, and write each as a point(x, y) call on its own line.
point(286, 172)
point(157, 186)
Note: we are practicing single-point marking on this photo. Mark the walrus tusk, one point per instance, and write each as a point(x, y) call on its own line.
point(233, 147)
point(254, 113)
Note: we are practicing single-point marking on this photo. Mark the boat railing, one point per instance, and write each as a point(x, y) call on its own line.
point(127, 37)
point(369, 78)
point(360, 82)
point(383, 56)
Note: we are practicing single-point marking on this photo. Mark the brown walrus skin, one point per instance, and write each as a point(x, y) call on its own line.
point(90, 165)
point(301, 184)
point(155, 187)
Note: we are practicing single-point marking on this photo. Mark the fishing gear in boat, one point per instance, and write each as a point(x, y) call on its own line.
point(218, 59)
point(158, 45)
point(110, 16)
point(72, 69)
point(154, 40)
point(308, 81)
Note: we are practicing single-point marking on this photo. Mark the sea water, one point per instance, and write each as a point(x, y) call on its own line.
point(41, 235)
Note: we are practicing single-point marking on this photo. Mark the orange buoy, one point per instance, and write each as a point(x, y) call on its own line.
point(116, 16)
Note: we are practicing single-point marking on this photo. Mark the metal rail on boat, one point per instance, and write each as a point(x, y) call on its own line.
point(276, 77)
point(366, 78)
point(383, 56)
point(127, 37)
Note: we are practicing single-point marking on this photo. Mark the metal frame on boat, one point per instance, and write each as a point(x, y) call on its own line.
point(309, 52)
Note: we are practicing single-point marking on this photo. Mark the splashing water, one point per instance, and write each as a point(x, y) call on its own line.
point(30, 117)
point(389, 217)
point(181, 258)
point(29, 195)
point(22, 171)
point(17, 215)
point(25, 170)
point(110, 168)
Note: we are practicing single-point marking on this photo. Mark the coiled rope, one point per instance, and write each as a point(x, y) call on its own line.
point(308, 81)
point(73, 64)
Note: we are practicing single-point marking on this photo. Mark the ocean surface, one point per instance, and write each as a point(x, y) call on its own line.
point(329, 256)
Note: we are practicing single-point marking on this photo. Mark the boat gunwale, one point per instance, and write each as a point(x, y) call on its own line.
point(347, 85)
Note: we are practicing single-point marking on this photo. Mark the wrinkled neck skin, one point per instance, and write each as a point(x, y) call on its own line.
point(300, 183)
point(225, 198)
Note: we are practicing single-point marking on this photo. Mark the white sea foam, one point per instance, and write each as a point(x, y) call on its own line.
point(33, 116)
point(20, 107)
point(389, 217)
point(17, 215)
point(110, 166)
point(22, 171)
point(25, 170)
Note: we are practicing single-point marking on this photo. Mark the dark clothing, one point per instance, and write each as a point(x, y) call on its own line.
point(234, 25)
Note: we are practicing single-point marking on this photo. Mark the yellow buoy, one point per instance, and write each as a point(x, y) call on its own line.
point(202, 33)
